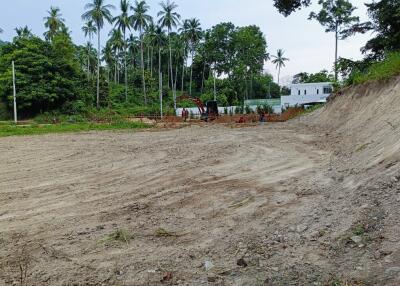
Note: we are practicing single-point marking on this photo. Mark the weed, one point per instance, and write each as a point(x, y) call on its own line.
point(359, 229)
point(120, 235)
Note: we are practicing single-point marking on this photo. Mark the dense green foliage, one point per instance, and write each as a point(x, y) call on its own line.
point(322, 76)
point(48, 73)
point(378, 71)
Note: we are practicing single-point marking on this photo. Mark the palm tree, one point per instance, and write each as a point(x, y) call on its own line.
point(195, 34)
point(23, 32)
point(117, 44)
point(54, 22)
point(279, 61)
point(122, 22)
point(169, 19)
point(184, 41)
point(133, 47)
point(98, 11)
point(151, 41)
point(89, 30)
point(140, 21)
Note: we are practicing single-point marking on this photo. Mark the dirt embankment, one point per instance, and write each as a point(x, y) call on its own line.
point(307, 202)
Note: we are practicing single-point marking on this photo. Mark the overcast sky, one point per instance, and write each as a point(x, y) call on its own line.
point(305, 43)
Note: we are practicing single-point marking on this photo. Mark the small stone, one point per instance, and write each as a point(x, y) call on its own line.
point(241, 262)
point(211, 278)
point(356, 239)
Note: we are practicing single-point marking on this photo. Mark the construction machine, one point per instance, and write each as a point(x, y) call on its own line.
point(208, 111)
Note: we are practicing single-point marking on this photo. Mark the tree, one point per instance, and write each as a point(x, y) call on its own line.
point(122, 23)
point(23, 32)
point(140, 20)
point(89, 30)
point(169, 19)
point(279, 61)
point(116, 43)
point(53, 22)
point(159, 42)
point(336, 16)
point(48, 73)
point(286, 7)
point(385, 23)
point(194, 34)
point(98, 12)
point(322, 76)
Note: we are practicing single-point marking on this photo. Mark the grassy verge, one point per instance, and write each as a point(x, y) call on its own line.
point(380, 71)
point(13, 130)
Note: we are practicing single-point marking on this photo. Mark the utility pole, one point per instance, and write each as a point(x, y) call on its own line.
point(15, 94)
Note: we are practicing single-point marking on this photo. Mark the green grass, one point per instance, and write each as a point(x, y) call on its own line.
point(35, 129)
point(380, 71)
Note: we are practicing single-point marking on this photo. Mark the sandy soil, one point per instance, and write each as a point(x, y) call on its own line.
point(282, 204)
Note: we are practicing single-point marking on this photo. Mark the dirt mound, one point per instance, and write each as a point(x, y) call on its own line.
point(368, 119)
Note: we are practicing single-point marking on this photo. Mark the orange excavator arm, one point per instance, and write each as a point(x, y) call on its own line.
point(200, 105)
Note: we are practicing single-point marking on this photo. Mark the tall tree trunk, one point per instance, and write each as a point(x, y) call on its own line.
point(191, 73)
point(336, 52)
point(160, 82)
point(170, 63)
point(88, 63)
point(203, 77)
point(151, 62)
point(98, 68)
point(142, 56)
point(183, 76)
point(279, 76)
point(126, 69)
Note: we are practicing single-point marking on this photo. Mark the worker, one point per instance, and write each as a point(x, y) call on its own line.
point(185, 114)
point(262, 116)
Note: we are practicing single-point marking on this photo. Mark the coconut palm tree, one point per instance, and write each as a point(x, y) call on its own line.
point(23, 32)
point(184, 43)
point(159, 41)
point(89, 30)
point(98, 12)
point(117, 44)
point(133, 47)
point(151, 38)
point(169, 19)
point(140, 21)
point(122, 22)
point(194, 33)
point(279, 61)
point(53, 22)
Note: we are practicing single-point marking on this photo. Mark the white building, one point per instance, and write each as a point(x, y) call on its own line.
point(307, 93)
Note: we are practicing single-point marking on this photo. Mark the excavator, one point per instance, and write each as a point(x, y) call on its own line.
point(208, 111)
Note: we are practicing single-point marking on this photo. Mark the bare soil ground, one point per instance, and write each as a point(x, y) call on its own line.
point(313, 201)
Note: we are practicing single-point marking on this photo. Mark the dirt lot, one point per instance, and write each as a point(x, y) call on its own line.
point(292, 203)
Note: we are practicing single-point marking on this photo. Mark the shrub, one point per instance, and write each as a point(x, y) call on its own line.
point(384, 70)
